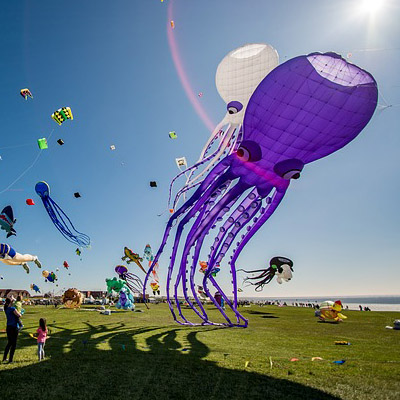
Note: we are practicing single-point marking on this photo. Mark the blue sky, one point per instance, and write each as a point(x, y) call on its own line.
point(110, 62)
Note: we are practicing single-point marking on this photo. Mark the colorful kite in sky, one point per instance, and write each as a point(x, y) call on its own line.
point(60, 220)
point(7, 221)
point(62, 114)
point(35, 288)
point(132, 281)
point(49, 276)
point(281, 267)
point(9, 256)
point(130, 256)
point(25, 93)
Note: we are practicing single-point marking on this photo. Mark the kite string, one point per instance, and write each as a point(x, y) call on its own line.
point(16, 147)
point(24, 172)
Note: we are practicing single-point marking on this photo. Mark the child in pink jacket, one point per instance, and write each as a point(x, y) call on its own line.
point(41, 337)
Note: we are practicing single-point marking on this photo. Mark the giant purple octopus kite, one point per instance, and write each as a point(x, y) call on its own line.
point(304, 110)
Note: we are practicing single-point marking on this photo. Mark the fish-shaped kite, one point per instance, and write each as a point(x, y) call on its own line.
point(131, 256)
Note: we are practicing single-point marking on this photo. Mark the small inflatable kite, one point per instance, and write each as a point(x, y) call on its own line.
point(114, 284)
point(9, 256)
point(7, 221)
point(155, 287)
point(204, 266)
point(181, 162)
point(329, 311)
point(133, 282)
point(62, 114)
point(35, 288)
point(281, 267)
point(25, 93)
point(72, 298)
point(126, 300)
point(65, 265)
point(201, 292)
point(130, 256)
point(148, 255)
point(49, 276)
point(30, 202)
point(59, 218)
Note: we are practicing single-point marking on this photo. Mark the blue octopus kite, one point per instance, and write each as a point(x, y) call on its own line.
point(59, 218)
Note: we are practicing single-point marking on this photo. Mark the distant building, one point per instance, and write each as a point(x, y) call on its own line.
point(95, 293)
point(14, 292)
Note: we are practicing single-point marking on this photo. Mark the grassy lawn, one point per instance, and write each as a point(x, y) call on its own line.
point(147, 356)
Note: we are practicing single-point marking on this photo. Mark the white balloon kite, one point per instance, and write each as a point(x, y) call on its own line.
point(238, 75)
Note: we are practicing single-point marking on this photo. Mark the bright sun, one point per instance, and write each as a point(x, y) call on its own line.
point(371, 6)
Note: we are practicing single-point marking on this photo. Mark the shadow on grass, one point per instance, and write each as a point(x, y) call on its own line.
point(262, 314)
point(113, 362)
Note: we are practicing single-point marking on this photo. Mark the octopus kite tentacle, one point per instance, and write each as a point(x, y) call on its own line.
point(222, 149)
point(185, 220)
point(236, 228)
point(195, 257)
point(61, 221)
point(222, 248)
point(184, 172)
point(59, 218)
point(189, 182)
point(134, 283)
point(198, 233)
point(199, 195)
point(253, 229)
point(223, 230)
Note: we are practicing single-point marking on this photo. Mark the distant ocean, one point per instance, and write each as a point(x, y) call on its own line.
point(375, 303)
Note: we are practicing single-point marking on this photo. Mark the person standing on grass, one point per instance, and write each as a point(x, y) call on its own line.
point(41, 337)
point(13, 317)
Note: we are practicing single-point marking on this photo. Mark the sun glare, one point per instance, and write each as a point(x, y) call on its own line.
point(372, 6)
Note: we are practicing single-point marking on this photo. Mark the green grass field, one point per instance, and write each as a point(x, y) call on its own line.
point(147, 356)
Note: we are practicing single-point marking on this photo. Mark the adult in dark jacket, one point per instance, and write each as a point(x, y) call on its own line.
point(12, 316)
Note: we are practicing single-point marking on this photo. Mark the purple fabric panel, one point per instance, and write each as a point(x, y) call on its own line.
point(295, 112)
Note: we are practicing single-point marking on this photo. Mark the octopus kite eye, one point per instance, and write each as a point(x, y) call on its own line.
point(243, 154)
point(289, 169)
point(249, 151)
point(234, 107)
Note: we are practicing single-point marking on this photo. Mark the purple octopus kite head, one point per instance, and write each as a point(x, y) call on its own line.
point(304, 110)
